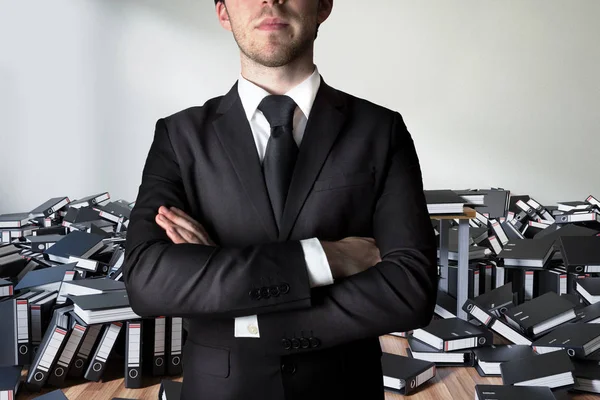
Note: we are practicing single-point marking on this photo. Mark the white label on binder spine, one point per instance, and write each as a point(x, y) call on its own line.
point(528, 285)
point(176, 335)
point(563, 284)
point(475, 283)
point(134, 338)
point(6, 291)
point(592, 268)
point(58, 336)
point(69, 350)
point(499, 232)
point(108, 342)
point(480, 315)
point(159, 336)
point(22, 322)
point(495, 244)
point(61, 299)
point(425, 376)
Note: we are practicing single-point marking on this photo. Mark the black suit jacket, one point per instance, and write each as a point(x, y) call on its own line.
point(357, 174)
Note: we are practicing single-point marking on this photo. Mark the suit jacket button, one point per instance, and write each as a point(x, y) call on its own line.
point(284, 288)
point(264, 292)
point(295, 343)
point(288, 368)
point(286, 344)
point(255, 294)
point(274, 291)
point(314, 342)
point(304, 343)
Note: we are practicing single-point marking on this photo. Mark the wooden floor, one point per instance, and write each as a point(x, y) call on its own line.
point(449, 383)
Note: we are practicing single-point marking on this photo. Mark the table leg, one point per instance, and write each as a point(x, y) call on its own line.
point(444, 234)
point(463, 267)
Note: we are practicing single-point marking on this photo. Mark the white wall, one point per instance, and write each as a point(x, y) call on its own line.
point(495, 93)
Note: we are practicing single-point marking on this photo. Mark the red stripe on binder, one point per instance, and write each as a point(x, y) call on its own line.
point(21, 301)
point(61, 331)
point(10, 290)
point(81, 328)
point(446, 346)
point(135, 325)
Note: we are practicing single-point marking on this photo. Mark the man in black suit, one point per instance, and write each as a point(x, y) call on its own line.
point(285, 221)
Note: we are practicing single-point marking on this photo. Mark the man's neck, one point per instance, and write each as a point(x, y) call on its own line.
point(278, 80)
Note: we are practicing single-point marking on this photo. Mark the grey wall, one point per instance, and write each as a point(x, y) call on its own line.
point(495, 93)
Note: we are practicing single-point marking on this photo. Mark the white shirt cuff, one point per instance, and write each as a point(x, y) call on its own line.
point(319, 272)
point(247, 327)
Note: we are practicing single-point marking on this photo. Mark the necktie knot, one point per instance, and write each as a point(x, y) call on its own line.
point(278, 110)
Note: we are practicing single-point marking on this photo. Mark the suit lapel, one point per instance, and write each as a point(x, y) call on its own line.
point(323, 126)
point(235, 134)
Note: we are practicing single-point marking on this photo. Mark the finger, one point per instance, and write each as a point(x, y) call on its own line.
point(183, 221)
point(200, 229)
point(191, 220)
point(175, 236)
point(164, 222)
point(188, 236)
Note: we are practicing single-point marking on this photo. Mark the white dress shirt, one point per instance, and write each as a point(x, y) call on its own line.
point(319, 272)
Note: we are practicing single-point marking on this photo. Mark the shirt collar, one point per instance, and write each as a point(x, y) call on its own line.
point(303, 94)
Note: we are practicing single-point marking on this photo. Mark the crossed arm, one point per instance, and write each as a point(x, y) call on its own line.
point(396, 293)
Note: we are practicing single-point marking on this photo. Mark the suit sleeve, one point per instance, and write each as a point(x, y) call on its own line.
point(397, 294)
point(191, 280)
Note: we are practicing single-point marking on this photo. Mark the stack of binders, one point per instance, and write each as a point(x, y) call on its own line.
point(64, 309)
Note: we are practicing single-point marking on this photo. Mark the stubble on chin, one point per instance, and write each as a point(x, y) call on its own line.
point(271, 50)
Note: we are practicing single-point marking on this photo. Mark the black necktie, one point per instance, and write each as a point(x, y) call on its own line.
point(282, 151)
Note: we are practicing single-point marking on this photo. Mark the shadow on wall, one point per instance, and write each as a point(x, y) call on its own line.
point(11, 118)
point(189, 12)
point(151, 59)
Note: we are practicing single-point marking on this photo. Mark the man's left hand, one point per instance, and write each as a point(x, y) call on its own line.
point(181, 228)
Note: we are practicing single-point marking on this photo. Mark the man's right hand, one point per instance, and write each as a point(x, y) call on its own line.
point(351, 255)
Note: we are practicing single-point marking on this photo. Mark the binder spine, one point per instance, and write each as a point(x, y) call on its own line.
point(476, 283)
point(6, 291)
point(36, 325)
point(175, 340)
point(59, 373)
point(23, 344)
point(413, 383)
point(7, 395)
point(133, 351)
point(37, 378)
point(499, 232)
point(158, 361)
point(62, 299)
point(495, 243)
point(478, 313)
point(529, 280)
point(89, 339)
point(489, 272)
point(96, 367)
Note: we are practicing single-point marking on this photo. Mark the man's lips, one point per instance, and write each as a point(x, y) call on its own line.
point(272, 24)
